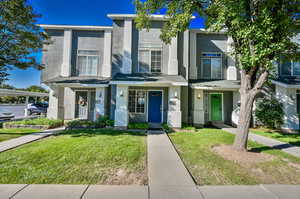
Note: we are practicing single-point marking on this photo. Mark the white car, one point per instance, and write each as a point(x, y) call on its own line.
point(6, 114)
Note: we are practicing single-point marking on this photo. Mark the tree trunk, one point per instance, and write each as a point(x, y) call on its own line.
point(241, 139)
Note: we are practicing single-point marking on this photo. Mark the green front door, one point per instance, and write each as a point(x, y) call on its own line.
point(216, 107)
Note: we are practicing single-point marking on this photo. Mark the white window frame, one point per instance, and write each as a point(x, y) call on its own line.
point(77, 61)
point(209, 57)
point(136, 100)
point(292, 70)
point(150, 65)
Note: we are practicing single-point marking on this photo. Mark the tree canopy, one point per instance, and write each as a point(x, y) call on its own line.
point(262, 31)
point(20, 37)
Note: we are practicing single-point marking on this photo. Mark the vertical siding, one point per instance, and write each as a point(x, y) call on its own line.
point(117, 46)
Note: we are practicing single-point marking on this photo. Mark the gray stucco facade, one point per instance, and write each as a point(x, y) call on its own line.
point(119, 47)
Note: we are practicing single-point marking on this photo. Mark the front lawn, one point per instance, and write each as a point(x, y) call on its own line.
point(78, 157)
point(283, 137)
point(7, 134)
point(210, 168)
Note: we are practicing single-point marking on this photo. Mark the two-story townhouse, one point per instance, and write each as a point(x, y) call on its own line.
point(287, 89)
point(147, 75)
point(133, 76)
point(214, 80)
point(77, 70)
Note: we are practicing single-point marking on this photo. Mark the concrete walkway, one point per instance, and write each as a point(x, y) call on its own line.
point(13, 143)
point(23, 191)
point(168, 177)
point(288, 148)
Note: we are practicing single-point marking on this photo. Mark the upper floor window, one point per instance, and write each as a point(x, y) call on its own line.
point(290, 68)
point(211, 65)
point(87, 62)
point(150, 60)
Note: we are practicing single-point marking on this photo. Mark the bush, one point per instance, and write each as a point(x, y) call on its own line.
point(269, 112)
point(74, 124)
point(38, 121)
point(99, 123)
point(166, 127)
point(138, 125)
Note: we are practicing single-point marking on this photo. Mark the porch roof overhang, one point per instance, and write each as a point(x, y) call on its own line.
point(144, 79)
point(79, 82)
point(230, 85)
point(287, 83)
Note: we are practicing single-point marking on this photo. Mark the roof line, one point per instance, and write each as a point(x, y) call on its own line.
point(74, 27)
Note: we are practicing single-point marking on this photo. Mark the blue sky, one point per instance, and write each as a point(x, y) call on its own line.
point(72, 12)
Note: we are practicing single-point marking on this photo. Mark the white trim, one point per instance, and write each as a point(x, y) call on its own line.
point(136, 90)
point(86, 55)
point(207, 31)
point(150, 56)
point(285, 85)
point(154, 17)
point(209, 57)
point(62, 27)
point(162, 104)
point(155, 83)
point(222, 94)
point(79, 85)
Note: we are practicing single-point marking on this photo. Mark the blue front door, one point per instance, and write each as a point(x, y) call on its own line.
point(154, 107)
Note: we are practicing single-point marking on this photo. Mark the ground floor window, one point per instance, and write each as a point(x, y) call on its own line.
point(136, 101)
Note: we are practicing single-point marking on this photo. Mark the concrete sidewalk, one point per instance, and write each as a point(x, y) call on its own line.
point(23, 191)
point(288, 148)
point(13, 143)
point(168, 177)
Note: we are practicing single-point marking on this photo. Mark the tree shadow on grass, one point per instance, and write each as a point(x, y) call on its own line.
point(277, 147)
point(97, 132)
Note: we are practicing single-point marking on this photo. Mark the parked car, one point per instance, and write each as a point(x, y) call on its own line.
point(37, 108)
point(6, 114)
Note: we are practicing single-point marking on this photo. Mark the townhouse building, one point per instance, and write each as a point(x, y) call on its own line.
point(131, 75)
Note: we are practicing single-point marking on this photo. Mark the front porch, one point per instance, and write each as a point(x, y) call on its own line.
point(214, 101)
point(150, 104)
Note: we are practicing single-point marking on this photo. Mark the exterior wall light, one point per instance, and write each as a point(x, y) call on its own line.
point(199, 96)
point(176, 94)
point(121, 93)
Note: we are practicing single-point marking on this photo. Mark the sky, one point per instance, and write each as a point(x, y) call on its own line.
point(73, 12)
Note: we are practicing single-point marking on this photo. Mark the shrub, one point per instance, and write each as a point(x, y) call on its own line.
point(138, 125)
point(188, 127)
point(166, 127)
point(269, 112)
point(104, 121)
point(38, 121)
point(73, 124)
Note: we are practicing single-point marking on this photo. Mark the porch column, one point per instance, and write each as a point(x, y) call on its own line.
point(231, 68)
point(198, 107)
point(127, 45)
point(69, 103)
point(100, 103)
point(174, 112)
point(173, 60)
point(106, 67)
point(193, 73)
point(121, 113)
point(26, 106)
point(67, 53)
point(56, 103)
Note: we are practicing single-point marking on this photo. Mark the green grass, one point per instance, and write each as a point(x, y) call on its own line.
point(209, 168)
point(7, 134)
point(78, 157)
point(283, 137)
point(39, 121)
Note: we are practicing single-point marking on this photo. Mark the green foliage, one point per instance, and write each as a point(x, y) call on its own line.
point(40, 121)
point(101, 122)
point(269, 112)
point(138, 125)
point(166, 127)
point(20, 38)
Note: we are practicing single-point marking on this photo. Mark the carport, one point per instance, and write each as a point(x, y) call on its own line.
point(26, 94)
